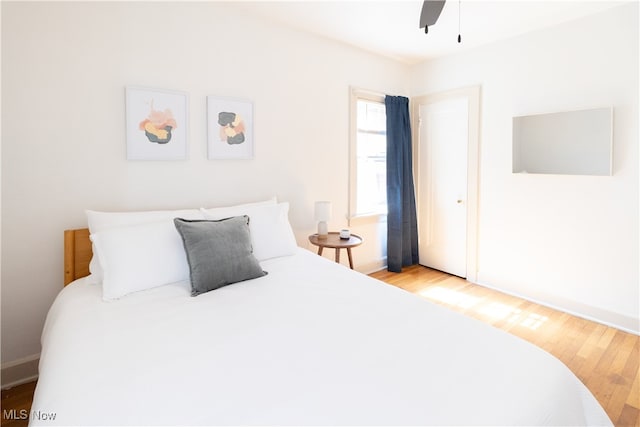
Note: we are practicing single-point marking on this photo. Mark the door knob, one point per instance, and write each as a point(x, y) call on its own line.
point(459, 201)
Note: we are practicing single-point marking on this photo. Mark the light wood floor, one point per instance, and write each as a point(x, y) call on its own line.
point(605, 359)
point(16, 404)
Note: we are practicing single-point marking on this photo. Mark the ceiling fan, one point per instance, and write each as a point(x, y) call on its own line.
point(430, 13)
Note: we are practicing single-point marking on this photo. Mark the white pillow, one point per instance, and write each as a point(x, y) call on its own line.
point(100, 221)
point(271, 233)
point(140, 257)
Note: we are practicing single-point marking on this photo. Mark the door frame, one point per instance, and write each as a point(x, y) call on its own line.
point(472, 93)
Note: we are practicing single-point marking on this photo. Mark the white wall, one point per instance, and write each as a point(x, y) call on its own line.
point(568, 241)
point(64, 70)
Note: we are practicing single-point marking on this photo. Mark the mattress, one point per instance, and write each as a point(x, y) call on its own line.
point(311, 343)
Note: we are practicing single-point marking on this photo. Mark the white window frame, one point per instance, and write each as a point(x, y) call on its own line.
point(354, 217)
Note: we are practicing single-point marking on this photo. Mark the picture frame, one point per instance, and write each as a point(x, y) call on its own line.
point(156, 124)
point(229, 128)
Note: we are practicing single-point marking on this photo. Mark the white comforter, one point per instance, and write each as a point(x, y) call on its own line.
point(311, 343)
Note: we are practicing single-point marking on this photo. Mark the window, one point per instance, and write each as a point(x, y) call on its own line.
point(368, 175)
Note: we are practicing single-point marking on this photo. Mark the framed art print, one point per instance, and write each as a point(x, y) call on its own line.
point(229, 128)
point(156, 124)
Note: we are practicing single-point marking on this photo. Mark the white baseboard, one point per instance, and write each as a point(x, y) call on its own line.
point(372, 267)
point(575, 308)
point(19, 371)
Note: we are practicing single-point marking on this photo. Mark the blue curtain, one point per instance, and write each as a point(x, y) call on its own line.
point(402, 228)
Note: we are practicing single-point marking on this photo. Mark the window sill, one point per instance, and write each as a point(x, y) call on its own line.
point(367, 219)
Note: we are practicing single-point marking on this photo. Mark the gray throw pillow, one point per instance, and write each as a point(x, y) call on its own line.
point(219, 253)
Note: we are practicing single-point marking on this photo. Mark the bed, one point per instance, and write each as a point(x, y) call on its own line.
point(309, 343)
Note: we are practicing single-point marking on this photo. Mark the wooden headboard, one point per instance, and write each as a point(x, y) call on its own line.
point(77, 254)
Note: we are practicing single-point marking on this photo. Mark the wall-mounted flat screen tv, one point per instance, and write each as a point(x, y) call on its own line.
point(568, 143)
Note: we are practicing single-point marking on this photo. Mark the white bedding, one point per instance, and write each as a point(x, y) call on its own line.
point(311, 343)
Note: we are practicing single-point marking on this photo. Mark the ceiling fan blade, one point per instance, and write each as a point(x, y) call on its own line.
point(430, 12)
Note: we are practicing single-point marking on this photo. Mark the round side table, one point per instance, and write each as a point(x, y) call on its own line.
point(333, 240)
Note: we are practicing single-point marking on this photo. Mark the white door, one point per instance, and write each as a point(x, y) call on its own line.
point(443, 139)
